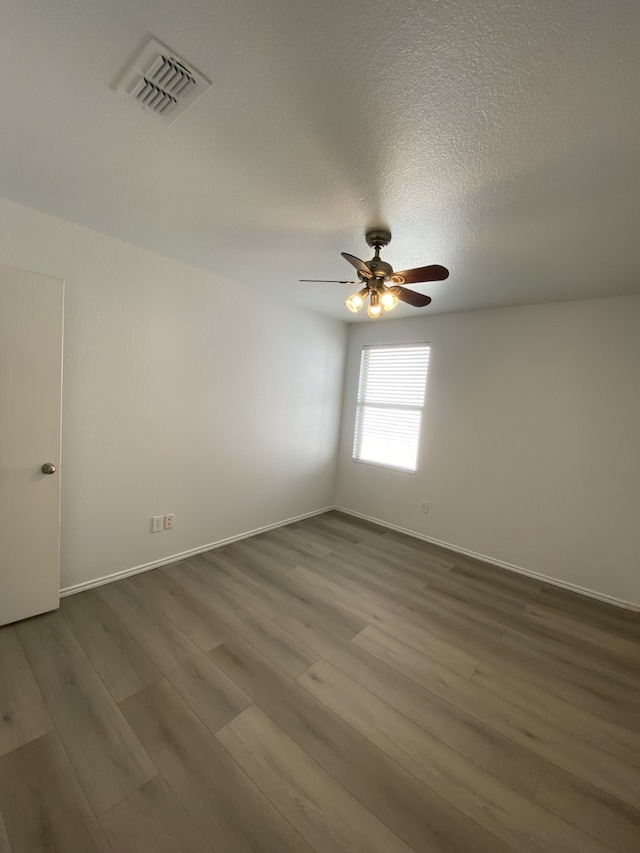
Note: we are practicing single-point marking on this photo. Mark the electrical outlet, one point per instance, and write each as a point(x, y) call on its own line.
point(168, 521)
point(156, 524)
point(424, 506)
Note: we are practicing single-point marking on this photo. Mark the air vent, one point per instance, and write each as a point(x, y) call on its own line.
point(161, 82)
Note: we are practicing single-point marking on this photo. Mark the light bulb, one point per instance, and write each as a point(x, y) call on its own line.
point(375, 308)
point(354, 302)
point(388, 300)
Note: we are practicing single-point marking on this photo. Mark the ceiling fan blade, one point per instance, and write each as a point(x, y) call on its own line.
point(328, 281)
point(435, 272)
point(418, 300)
point(362, 268)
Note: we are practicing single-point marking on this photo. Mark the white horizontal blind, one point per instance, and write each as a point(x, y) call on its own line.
point(391, 395)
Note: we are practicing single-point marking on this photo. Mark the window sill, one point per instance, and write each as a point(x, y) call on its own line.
point(411, 471)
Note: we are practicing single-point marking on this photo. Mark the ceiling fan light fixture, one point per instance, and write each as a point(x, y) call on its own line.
point(388, 300)
point(356, 300)
point(374, 309)
point(384, 287)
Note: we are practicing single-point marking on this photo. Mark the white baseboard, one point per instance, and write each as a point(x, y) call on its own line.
point(590, 593)
point(174, 558)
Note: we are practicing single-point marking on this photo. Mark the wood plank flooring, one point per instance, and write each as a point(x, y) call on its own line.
point(326, 686)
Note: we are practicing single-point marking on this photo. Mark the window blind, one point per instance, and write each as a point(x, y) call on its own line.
point(391, 394)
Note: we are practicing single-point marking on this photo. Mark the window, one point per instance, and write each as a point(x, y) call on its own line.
point(391, 395)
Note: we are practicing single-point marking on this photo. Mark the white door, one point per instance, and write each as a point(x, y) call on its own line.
point(30, 402)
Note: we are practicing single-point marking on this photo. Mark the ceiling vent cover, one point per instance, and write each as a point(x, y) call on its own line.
point(162, 83)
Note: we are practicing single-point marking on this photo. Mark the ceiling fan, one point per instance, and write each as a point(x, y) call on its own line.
point(381, 284)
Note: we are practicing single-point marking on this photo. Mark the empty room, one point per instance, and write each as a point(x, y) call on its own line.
point(319, 426)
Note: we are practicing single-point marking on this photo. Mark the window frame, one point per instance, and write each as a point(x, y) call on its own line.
point(361, 406)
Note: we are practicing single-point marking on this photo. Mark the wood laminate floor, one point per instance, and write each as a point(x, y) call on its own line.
point(327, 686)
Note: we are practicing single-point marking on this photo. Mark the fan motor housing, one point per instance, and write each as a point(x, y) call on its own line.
point(380, 269)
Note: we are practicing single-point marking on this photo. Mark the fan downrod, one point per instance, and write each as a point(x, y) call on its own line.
point(378, 237)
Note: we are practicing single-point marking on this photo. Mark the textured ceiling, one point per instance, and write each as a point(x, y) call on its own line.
point(500, 139)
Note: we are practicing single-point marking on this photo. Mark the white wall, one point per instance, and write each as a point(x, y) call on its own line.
point(530, 450)
point(183, 393)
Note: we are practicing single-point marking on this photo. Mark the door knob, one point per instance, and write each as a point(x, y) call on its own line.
point(48, 468)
